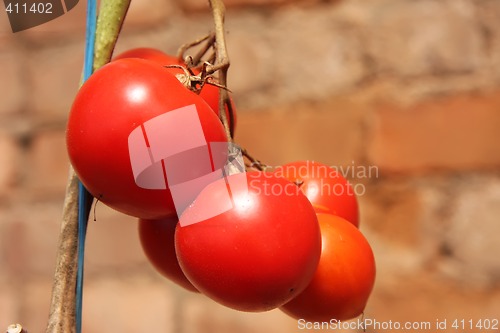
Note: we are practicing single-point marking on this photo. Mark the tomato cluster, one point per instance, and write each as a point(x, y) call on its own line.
point(253, 241)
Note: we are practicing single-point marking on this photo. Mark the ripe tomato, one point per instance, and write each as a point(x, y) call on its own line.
point(157, 240)
point(344, 278)
point(126, 170)
point(258, 254)
point(209, 92)
point(150, 54)
point(327, 190)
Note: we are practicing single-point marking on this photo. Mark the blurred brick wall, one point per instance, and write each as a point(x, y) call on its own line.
point(411, 88)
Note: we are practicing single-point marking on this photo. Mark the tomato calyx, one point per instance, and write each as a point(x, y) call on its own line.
point(195, 80)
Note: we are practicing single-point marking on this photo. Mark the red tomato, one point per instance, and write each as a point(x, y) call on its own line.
point(209, 92)
point(157, 240)
point(150, 54)
point(327, 190)
point(114, 102)
point(344, 278)
point(257, 255)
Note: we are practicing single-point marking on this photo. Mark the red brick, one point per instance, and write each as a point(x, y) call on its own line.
point(315, 54)
point(154, 38)
point(489, 12)
point(425, 37)
point(9, 164)
point(4, 23)
point(149, 12)
point(428, 298)
point(47, 170)
point(140, 30)
point(432, 224)
point(230, 3)
point(29, 239)
point(6, 35)
point(202, 315)
point(286, 61)
point(128, 304)
point(454, 133)
point(329, 132)
point(392, 210)
point(54, 80)
point(471, 233)
point(251, 66)
point(9, 305)
point(195, 5)
point(12, 86)
point(36, 302)
point(107, 251)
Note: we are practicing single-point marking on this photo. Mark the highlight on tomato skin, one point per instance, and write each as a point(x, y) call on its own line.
point(258, 254)
point(157, 241)
point(328, 191)
point(344, 277)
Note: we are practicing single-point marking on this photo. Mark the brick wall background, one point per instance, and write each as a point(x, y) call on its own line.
point(411, 88)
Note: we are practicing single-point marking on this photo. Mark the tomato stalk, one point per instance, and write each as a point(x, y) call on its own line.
point(221, 64)
point(110, 20)
point(62, 314)
point(217, 41)
point(195, 60)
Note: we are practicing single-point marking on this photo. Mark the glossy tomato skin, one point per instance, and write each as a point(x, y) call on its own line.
point(328, 191)
point(157, 241)
point(344, 277)
point(114, 101)
point(210, 93)
point(259, 254)
point(150, 54)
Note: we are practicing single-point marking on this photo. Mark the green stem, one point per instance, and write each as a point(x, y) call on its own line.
point(109, 23)
point(62, 308)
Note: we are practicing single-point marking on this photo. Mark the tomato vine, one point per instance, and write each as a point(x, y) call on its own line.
point(62, 313)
